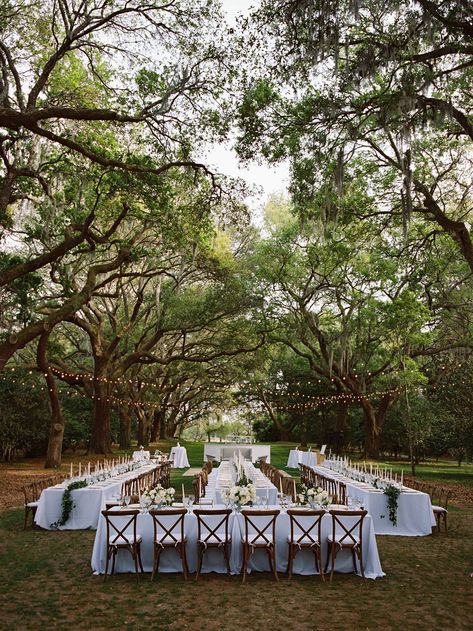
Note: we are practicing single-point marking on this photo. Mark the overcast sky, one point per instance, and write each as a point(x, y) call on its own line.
point(269, 179)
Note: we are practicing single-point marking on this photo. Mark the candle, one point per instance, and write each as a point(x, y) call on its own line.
point(71, 469)
point(183, 494)
point(80, 469)
point(371, 468)
point(88, 469)
point(295, 492)
point(402, 477)
point(280, 485)
point(200, 487)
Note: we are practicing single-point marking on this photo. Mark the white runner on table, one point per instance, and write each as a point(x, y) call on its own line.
point(214, 560)
point(415, 517)
point(88, 501)
point(224, 477)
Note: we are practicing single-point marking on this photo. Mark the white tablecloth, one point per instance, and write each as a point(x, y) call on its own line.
point(179, 457)
point(294, 458)
point(309, 458)
point(225, 451)
point(140, 455)
point(88, 501)
point(415, 517)
point(214, 561)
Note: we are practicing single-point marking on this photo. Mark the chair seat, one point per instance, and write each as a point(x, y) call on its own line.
point(121, 540)
point(347, 541)
point(303, 541)
point(260, 541)
point(169, 541)
point(215, 539)
point(439, 509)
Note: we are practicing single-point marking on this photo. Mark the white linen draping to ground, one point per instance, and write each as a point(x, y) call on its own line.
point(140, 455)
point(294, 458)
point(415, 517)
point(214, 561)
point(225, 451)
point(88, 501)
point(179, 457)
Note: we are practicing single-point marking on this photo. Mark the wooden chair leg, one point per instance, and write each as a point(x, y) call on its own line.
point(272, 562)
point(114, 554)
point(334, 556)
point(199, 561)
point(243, 567)
point(106, 564)
point(290, 561)
point(184, 560)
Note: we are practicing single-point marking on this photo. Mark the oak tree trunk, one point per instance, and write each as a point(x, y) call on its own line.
point(57, 424)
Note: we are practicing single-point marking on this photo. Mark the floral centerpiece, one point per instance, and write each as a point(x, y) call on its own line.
point(240, 495)
point(158, 496)
point(313, 496)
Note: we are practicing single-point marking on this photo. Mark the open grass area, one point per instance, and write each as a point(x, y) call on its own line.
point(47, 583)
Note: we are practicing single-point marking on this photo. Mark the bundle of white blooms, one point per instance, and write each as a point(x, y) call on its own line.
point(240, 494)
point(158, 495)
point(314, 495)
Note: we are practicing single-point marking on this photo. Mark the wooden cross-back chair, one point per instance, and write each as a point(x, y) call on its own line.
point(169, 533)
point(119, 523)
point(441, 509)
point(346, 535)
point(305, 533)
point(30, 492)
point(259, 537)
point(212, 532)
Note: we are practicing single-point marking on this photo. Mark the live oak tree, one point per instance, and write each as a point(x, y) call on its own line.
point(384, 87)
point(83, 90)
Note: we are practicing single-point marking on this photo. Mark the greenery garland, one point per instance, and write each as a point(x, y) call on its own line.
point(67, 504)
point(392, 493)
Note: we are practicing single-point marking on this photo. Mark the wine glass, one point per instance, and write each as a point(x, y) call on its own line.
point(190, 501)
point(127, 500)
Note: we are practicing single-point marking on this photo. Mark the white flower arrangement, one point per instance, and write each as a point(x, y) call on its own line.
point(158, 496)
point(240, 494)
point(313, 495)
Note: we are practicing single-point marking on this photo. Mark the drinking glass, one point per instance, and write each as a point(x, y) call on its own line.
point(127, 499)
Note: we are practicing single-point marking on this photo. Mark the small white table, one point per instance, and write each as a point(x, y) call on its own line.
point(294, 459)
point(179, 457)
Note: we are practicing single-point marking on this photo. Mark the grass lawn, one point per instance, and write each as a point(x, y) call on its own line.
point(46, 582)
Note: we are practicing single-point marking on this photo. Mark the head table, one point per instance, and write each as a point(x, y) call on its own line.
point(214, 560)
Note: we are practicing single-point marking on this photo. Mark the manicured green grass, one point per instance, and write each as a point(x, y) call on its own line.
point(47, 584)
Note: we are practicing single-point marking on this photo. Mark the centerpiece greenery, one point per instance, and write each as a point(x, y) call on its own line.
point(67, 504)
point(392, 493)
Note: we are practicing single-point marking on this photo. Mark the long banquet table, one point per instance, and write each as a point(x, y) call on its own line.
point(88, 501)
point(214, 561)
point(220, 478)
point(415, 517)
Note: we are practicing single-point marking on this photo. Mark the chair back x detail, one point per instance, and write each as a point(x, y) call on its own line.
point(259, 532)
point(212, 532)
